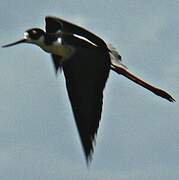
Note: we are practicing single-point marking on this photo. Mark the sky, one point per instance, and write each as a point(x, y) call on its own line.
point(138, 137)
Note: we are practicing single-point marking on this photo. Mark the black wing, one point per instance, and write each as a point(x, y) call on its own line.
point(54, 24)
point(86, 73)
point(57, 62)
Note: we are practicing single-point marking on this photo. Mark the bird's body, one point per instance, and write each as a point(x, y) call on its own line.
point(65, 51)
point(86, 61)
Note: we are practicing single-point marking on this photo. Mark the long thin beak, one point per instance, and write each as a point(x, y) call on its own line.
point(12, 44)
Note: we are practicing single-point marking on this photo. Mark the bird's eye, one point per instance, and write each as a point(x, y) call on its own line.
point(34, 34)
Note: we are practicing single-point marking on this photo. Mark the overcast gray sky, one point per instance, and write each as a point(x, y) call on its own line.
point(138, 138)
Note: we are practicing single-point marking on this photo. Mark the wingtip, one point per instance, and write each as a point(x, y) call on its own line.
point(88, 149)
point(89, 158)
point(88, 161)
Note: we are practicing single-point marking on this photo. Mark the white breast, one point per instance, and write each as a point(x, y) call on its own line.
point(56, 48)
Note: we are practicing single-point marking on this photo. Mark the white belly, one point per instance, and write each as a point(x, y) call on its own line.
point(58, 49)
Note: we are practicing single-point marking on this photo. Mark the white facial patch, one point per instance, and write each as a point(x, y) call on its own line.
point(26, 35)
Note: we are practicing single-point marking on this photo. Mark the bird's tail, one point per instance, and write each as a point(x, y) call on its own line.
point(125, 72)
point(115, 57)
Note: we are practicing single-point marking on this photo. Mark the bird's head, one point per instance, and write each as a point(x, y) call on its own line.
point(33, 36)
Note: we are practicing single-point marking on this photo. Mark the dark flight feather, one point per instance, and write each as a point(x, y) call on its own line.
point(86, 75)
point(57, 62)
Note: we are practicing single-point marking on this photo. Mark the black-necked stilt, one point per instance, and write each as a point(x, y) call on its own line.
point(86, 61)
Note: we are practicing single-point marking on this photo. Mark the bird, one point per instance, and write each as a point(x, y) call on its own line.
point(86, 60)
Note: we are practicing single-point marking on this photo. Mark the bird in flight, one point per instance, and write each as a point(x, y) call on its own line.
point(86, 61)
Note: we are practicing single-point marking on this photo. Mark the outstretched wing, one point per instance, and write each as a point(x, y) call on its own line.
point(85, 80)
point(54, 24)
point(86, 72)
